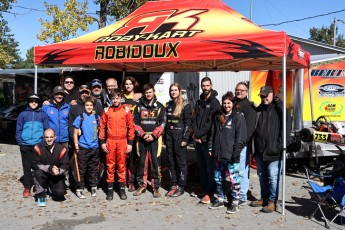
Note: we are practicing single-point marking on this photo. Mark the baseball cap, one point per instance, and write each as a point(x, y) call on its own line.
point(58, 89)
point(265, 90)
point(95, 82)
point(84, 88)
point(33, 97)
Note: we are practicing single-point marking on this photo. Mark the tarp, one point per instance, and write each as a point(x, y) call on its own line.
point(175, 36)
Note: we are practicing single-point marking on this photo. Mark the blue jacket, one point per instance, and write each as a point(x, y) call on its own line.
point(58, 120)
point(30, 126)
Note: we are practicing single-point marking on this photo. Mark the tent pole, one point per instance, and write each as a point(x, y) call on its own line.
point(35, 80)
point(311, 96)
point(284, 133)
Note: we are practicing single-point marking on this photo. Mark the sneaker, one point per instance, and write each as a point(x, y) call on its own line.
point(94, 191)
point(257, 203)
point(233, 208)
point(242, 203)
point(197, 195)
point(139, 191)
point(26, 193)
point(171, 191)
point(80, 194)
point(41, 201)
point(216, 204)
point(205, 200)
point(179, 191)
point(156, 193)
point(131, 188)
point(110, 194)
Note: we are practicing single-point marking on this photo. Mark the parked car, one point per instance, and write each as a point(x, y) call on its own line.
point(8, 121)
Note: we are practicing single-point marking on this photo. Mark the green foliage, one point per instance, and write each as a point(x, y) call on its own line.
point(28, 62)
point(120, 8)
point(9, 53)
point(325, 35)
point(65, 22)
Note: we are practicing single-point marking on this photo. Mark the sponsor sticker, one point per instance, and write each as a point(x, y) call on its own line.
point(331, 90)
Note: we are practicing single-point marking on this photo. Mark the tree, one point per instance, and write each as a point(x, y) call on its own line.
point(326, 35)
point(119, 8)
point(66, 22)
point(28, 62)
point(9, 52)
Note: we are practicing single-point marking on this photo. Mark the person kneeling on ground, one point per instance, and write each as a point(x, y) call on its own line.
point(50, 164)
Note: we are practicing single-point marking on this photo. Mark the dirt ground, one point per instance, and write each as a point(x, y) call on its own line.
point(145, 212)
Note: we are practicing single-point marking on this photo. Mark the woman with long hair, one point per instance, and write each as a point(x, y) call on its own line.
point(229, 133)
point(178, 128)
point(130, 101)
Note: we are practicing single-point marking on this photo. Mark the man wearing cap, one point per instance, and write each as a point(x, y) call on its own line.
point(268, 143)
point(31, 124)
point(78, 109)
point(98, 93)
point(57, 111)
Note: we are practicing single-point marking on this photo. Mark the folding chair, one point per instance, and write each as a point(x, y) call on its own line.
point(338, 196)
point(331, 196)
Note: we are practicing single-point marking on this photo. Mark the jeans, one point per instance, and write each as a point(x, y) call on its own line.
point(269, 175)
point(244, 173)
point(206, 168)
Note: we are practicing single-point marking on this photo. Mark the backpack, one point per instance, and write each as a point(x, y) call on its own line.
point(82, 120)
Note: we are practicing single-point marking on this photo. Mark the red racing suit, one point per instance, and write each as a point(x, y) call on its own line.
point(116, 127)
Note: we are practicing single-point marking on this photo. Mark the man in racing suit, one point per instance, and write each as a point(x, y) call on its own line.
point(149, 123)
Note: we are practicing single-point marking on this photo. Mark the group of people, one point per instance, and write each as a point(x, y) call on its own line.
point(74, 131)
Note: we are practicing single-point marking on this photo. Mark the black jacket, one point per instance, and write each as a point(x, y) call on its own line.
point(45, 160)
point(229, 139)
point(183, 123)
point(268, 134)
point(149, 118)
point(248, 110)
point(204, 115)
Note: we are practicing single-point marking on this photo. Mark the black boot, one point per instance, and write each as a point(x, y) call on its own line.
point(122, 192)
point(110, 191)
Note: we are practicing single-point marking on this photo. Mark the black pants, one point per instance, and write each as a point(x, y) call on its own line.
point(87, 161)
point(206, 168)
point(150, 160)
point(177, 157)
point(44, 180)
point(132, 164)
point(28, 153)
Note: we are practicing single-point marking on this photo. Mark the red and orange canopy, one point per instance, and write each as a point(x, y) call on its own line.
point(178, 35)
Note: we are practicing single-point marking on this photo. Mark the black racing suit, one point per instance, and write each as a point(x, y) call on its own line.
point(177, 131)
point(149, 119)
point(133, 158)
point(43, 164)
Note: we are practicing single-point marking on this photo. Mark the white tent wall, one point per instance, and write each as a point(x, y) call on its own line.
point(224, 81)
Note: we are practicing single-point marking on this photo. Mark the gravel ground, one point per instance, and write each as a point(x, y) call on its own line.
point(145, 212)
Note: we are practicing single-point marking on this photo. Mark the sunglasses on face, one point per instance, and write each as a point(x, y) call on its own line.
point(263, 96)
point(33, 101)
point(69, 82)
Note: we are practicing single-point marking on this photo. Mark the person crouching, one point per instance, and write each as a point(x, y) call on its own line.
point(50, 164)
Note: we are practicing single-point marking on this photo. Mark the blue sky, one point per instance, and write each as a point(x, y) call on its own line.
point(25, 25)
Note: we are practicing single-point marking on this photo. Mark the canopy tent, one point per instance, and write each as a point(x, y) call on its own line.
point(178, 35)
point(181, 36)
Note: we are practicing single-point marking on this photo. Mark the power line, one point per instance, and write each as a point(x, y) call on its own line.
point(302, 19)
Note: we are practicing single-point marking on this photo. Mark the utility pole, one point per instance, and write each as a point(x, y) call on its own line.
point(335, 28)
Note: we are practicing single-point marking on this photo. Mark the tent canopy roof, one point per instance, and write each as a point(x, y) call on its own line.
point(178, 36)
